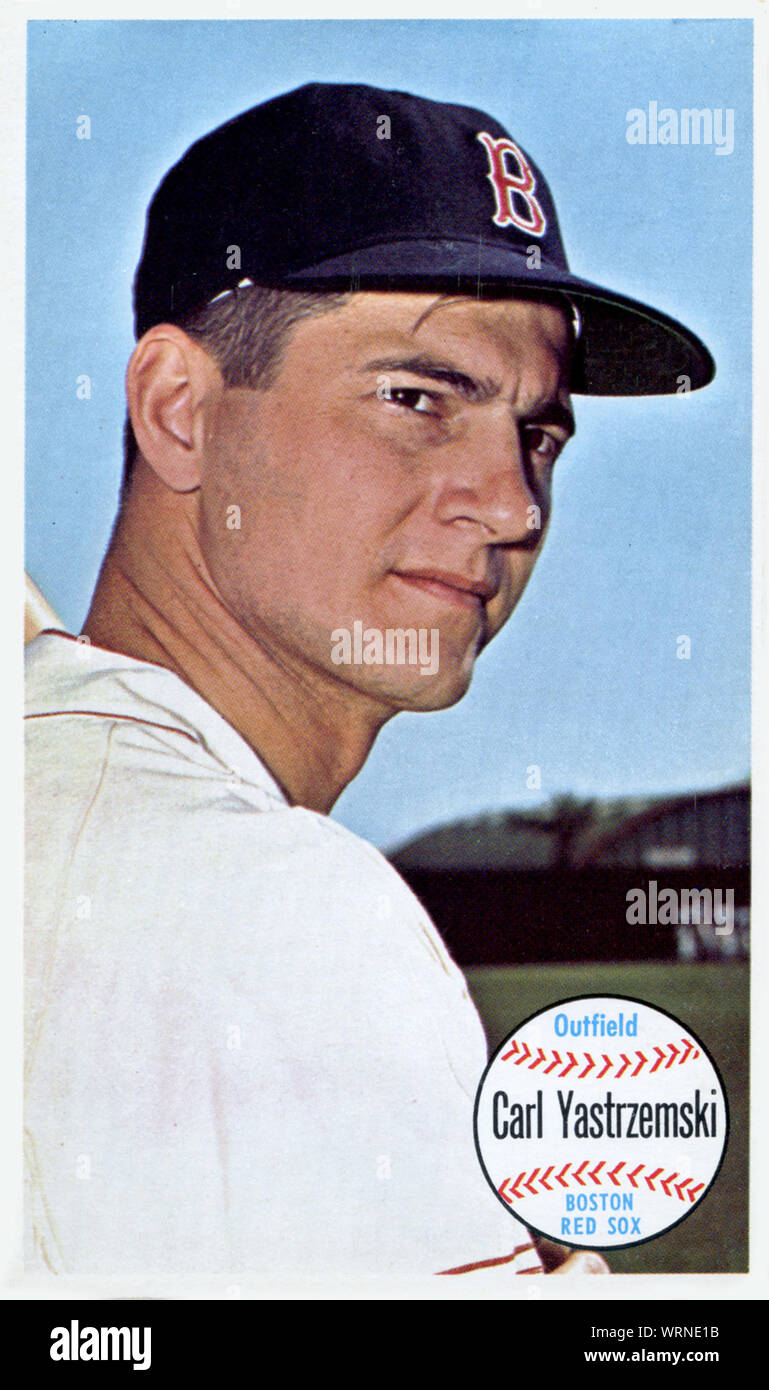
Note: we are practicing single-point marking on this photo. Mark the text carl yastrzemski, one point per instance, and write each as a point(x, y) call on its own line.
point(695, 1118)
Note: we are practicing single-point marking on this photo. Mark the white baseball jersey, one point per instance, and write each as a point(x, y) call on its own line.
point(248, 1053)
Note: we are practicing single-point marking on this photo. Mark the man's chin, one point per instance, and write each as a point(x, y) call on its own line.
point(425, 692)
point(435, 700)
point(404, 669)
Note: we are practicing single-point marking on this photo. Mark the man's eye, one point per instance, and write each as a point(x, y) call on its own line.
point(541, 445)
point(411, 398)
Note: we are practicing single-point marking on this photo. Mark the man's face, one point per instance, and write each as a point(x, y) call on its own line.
point(396, 475)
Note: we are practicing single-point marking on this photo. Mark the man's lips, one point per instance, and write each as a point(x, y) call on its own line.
point(451, 587)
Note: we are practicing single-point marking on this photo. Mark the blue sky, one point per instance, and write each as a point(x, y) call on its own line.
point(650, 537)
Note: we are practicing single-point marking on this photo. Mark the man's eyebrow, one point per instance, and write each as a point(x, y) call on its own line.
point(436, 370)
point(555, 413)
point(552, 413)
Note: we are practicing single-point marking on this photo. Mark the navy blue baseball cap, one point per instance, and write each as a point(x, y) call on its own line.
point(346, 187)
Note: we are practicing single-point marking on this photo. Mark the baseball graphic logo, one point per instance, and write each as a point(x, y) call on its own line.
point(601, 1121)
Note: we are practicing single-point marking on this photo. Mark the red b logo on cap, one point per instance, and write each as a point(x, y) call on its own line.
point(506, 183)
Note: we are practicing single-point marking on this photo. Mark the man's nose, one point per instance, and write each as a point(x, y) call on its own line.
point(488, 481)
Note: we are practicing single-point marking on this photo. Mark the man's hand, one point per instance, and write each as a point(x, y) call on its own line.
point(559, 1259)
point(582, 1262)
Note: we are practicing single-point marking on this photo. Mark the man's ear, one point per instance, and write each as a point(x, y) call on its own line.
point(171, 384)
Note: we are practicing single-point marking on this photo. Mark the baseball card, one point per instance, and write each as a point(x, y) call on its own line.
point(387, 366)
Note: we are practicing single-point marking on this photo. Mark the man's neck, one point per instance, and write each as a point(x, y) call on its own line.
point(155, 600)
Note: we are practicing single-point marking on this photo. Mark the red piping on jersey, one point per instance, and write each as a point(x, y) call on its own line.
point(125, 718)
point(500, 1260)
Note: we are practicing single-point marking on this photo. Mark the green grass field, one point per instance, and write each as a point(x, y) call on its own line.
point(713, 1000)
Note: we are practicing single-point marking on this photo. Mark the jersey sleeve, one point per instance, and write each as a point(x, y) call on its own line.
point(255, 1060)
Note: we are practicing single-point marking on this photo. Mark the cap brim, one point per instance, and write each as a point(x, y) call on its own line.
point(625, 348)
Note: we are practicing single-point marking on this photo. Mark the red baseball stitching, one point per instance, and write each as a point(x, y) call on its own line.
point(677, 1056)
point(542, 1178)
